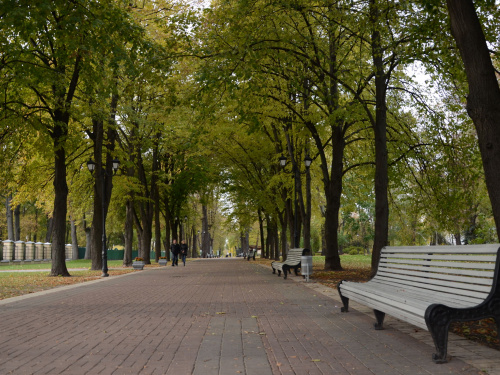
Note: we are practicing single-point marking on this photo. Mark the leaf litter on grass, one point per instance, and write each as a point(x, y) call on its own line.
point(13, 284)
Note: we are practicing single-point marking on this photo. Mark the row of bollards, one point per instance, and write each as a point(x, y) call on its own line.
point(29, 251)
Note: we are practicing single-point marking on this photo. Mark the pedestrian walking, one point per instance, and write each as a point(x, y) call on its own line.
point(175, 249)
point(184, 251)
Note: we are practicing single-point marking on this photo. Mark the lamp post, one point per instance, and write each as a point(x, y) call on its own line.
point(91, 166)
point(307, 162)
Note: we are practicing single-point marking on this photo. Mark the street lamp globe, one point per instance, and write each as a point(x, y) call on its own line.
point(307, 161)
point(116, 164)
point(91, 165)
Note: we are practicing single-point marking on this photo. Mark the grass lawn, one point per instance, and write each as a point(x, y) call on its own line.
point(35, 278)
point(80, 263)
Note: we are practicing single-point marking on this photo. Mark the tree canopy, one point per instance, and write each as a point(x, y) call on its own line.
point(199, 101)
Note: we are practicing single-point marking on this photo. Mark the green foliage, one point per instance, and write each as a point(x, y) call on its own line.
point(207, 101)
point(354, 250)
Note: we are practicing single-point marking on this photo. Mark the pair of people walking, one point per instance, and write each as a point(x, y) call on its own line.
point(178, 250)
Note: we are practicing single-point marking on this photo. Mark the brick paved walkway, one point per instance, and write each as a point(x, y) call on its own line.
point(214, 316)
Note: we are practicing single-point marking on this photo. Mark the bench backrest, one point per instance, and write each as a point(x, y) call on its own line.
point(293, 256)
point(467, 271)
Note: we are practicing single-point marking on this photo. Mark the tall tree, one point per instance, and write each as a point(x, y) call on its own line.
point(51, 53)
point(483, 101)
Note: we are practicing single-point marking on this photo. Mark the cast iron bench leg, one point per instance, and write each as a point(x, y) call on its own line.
point(285, 270)
point(345, 300)
point(438, 319)
point(379, 315)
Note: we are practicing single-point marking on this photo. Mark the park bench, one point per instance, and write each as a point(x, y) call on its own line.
point(251, 254)
point(430, 287)
point(292, 261)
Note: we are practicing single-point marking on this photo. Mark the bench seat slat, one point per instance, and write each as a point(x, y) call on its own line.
point(413, 296)
point(449, 288)
point(473, 295)
point(394, 300)
point(419, 290)
point(468, 249)
point(457, 271)
point(395, 312)
point(447, 257)
point(390, 261)
point(479, 280)
point(466, 283)
point(388, 295)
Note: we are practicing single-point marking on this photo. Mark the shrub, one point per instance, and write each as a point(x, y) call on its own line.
point(354, 250)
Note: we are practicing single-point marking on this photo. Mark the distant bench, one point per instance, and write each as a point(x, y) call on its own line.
point(251, 254)
point(430, 287)
point(292, 261)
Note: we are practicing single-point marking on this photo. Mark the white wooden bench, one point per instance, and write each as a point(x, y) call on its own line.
point(251, 254)
point(292, 261)
point(430, 287)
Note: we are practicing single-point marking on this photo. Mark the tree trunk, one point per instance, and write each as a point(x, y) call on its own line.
point(50, 229)
point(323, 239)
point(88, 239)
point(483, 101)
point(290, 221)
point(103, 177)
point(74, 240)
point(308, 212)
point(147, 206)
point(88, 244)
point(166, 240)
point(147, 232)
point(157, 225)
point(283, 223)
point(381, 177)
point(268, 249)
point(333, 193)
point(130, 215)
point(331, 166)
point(166, 246)
point(139, 238)
point(17, 223)
point(10, 218)
point(59, 135)
point(276, 238)
point(205, 235)
point(247, 241)
point(194, 247)
point(243, 244)
point(97, 220)
point(129, 233)
point(262, 236)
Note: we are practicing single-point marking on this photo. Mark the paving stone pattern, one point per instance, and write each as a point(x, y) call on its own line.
point(214, 316)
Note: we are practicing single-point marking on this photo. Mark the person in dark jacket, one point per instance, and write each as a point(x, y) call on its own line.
point(175, 249)
point(184, 251)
